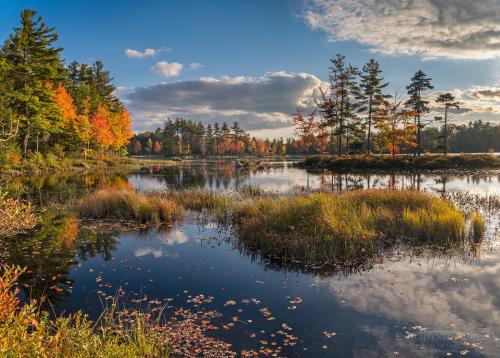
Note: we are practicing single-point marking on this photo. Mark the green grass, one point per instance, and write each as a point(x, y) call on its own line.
point(407, 162)
point(127, 204)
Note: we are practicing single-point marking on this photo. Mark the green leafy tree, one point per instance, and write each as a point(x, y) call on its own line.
point(449, 102)
point(416, 89)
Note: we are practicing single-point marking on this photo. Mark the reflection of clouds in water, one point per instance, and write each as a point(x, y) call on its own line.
point(148, 251)
point(173, 237)
point(284, 178)
point(430, 293)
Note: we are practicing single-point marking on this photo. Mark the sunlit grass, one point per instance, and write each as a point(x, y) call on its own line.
point(478, 226)
point(322, 227)
point(127, 204)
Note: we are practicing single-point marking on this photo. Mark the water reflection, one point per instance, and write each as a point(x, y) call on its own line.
point(222, 175)
point(392, 303)
point(50, 253)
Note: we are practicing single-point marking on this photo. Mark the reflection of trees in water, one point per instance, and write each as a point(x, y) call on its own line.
point(59, 188)
point(340, 182)
point(216, 175)
point(51, 251)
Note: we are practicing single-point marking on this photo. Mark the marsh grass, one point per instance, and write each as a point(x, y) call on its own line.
point(127, 204)
point(321, 227)
point(478, 226)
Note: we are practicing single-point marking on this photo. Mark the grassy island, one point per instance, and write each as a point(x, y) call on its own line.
point(403, 162)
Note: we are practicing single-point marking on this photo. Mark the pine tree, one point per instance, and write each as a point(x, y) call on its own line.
point(371, 96)
point(418, 85)
point(34, 63)
point(448, 100)
point(339, 107)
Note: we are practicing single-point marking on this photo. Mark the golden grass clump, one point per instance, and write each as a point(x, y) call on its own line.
point(16, 217)
point(127, 204)
point(478, 226)
point(319, 227)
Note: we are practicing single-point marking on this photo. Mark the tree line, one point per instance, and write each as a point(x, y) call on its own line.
point(47, 107)
point(181, 137)
point(355, 115)
point(184, 137)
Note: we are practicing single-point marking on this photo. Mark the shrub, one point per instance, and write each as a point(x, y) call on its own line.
point(16, 217)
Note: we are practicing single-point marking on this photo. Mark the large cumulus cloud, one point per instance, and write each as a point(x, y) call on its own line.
point(257, 103)
point(460, 29)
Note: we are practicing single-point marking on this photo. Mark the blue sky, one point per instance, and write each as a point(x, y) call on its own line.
point(261, 59)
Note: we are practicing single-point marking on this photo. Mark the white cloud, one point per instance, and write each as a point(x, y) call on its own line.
point(476, 100)
point(175, 237)
point(459, 29)
point(167, 69)
point(256, 102)
point(149, 52)
point(195, 66)
point(148, 251)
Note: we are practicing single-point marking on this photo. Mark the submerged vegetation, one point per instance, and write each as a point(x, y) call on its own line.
point(426, 162)
point(127, 204)
point(28, 331)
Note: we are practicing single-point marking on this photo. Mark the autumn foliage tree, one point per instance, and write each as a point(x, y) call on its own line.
point(102, 129)
point(48, 108)
point(395, 128)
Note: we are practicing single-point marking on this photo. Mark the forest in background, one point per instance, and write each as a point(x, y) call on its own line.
point(353, 115)
point(182, 137)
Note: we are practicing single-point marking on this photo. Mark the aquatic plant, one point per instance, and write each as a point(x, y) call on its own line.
point(127, 204)
point(28, 331)
point(478, 226)
point(16, 217)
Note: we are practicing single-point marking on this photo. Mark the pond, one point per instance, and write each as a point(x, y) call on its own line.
point(412, 302)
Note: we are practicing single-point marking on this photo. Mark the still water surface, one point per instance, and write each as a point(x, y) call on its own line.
point(411, 303)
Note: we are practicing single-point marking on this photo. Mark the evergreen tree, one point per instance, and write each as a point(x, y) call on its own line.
point(418, 85)
point(371, 96)
point(449, 101)
point(35, 66)
point(339, 107)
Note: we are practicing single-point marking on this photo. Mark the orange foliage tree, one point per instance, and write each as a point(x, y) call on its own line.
point(395, 128)
point(120, 128)
point(310, 131)
point(65, 104)
point(101, 128)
